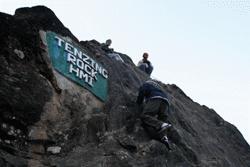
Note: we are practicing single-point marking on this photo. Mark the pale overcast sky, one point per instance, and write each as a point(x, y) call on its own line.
point(200, 45)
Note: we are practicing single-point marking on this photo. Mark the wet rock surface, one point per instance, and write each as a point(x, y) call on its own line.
point(47, 120)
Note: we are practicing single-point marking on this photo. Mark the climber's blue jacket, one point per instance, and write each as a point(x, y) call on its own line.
point(151, 90)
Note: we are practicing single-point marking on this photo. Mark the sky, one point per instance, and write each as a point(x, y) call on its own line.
point(202, 46)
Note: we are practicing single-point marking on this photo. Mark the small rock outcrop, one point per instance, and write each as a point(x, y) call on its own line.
point(48, 120)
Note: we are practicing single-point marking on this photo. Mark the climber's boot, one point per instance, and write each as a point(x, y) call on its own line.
point(164, 128)
point(166, 141)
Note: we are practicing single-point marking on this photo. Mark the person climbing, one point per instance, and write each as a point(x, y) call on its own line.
point(155, 107)
point(145, 65)
point(110, 51)
point(106, 46)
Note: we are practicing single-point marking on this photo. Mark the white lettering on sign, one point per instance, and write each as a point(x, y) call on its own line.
point(60, 41)
point(80, 64)
point(69, 48)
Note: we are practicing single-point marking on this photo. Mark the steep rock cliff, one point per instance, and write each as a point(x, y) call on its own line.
point(48, 120)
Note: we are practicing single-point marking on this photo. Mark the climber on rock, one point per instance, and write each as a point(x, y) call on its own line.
point(106, 46)
point(110, 51)
point(155, 107)
point(145, 65)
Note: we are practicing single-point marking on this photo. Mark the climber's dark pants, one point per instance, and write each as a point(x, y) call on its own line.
point(155, 113)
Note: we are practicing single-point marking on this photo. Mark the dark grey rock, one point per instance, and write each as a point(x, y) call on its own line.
point(40, 109)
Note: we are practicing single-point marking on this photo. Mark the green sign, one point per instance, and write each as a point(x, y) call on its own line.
point(72, 62)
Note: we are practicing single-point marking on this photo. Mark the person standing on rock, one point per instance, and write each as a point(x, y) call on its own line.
point(155, 107)
point(145, 65)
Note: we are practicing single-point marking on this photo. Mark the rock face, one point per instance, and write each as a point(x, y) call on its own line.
point(47, 120)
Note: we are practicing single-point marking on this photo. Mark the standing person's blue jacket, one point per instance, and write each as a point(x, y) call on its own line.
point(151, 90)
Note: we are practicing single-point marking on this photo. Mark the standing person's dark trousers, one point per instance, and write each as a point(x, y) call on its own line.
point(155, 113)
